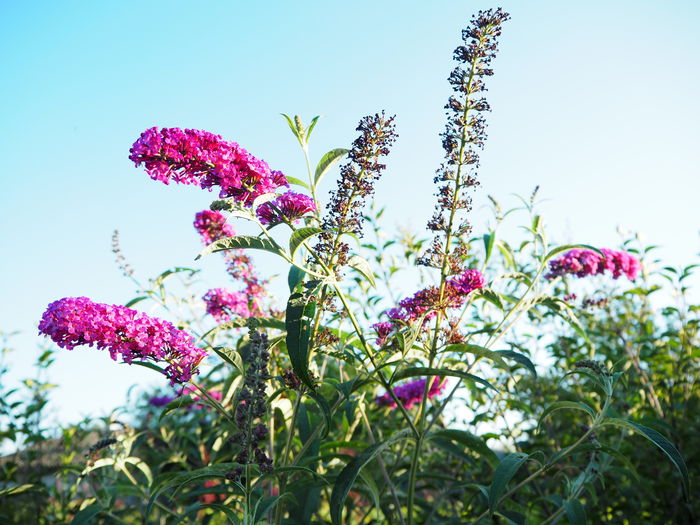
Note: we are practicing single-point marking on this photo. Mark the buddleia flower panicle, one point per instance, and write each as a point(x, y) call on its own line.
point(464, 134)
point(222, 304)
point(356, 183)
point(412, 393)
point(583, 263)
point(426, 303)
point(126, 333)
point(225, 305)
point(203, 159)
point(288, 207)
point(251, 411)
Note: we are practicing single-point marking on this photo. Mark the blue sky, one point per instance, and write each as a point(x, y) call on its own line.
point(595, 101)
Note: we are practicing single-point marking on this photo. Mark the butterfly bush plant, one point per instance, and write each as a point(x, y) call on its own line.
point(344, 400)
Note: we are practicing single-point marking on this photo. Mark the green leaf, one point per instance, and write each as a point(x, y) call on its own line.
point(505, 471)
point(146, 364)
point(559, 405)
point(293, 127)
point(86, 515)
point(231, 514)
point(469, 440)
point(179, 480)
point(299, 236)
point(300, 312)
point(294, 277)
point(327, 161)
point(18, 489)
point(311, 127)
point(363, 267)
point(242, 242)
point(478, 351)
point(489, 295)
point(519, 358)
point(298, 182)
point(325, 410)
point(347, 476)
point(489, 240)
point(178, 402)
point(563, 310)
point(231, 356)
point(136, 300)
point(575, 512)
point(424, 371)
point(661, 442)
point(567, 247)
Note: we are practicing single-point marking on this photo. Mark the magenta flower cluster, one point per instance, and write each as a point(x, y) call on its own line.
point(212, 226)
point(224, 305)
point(133, 335)
point(582, 263)
point(206, 160)
point(428, 302)
point(287, 207)
point(411, 393)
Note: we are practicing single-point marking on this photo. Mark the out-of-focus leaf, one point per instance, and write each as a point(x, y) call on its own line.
point(560, 405)
point(347, 476)
point(469, 440)
point(575, 512)
point(661, 442)
point(86, 515)
point(505, 471)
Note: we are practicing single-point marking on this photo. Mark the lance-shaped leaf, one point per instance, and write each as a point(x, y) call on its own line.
point(420, 371)
point(489, 240)
point(505, 471)
point(478, 351)
point(469, 440)
point(572, 405)
point(242, 242)
point(300, 312)
point(347, 476)
point(567, 247)
point(575, 512)
point(363, 267)
point(519, 358)
point(325, 411)
point(661, 442)
point(326, 163)
point(564, 311)
point(299, 236)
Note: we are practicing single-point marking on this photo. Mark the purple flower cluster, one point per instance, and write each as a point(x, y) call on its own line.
point(223, 304)
point(411, 393)
point(286, 208)
point(428, 302)
point(212, 226)
point(74, 321)
point(161, 401)
point(206, 160)
point(581, 263)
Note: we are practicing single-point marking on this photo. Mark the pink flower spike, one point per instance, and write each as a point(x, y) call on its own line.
point(289, 206)
point(128, 333)
point(206, 160)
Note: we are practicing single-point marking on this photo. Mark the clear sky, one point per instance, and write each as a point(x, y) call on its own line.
point(596, 101)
